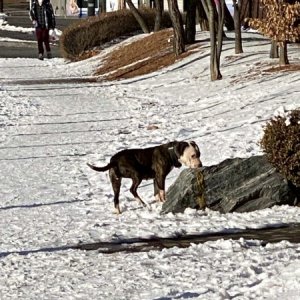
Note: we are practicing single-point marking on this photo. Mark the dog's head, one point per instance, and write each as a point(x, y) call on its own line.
point(188, 154)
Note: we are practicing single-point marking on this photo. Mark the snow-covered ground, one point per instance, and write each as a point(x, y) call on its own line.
point(51, 124)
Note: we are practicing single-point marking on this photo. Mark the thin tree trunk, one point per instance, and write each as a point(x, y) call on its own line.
point(190, 28)
point(228, 21)
point(255, 9)
point(138, 16)
point(213, 44)
point(121, 4)
point(215, 11)
point(158, 16)
point(237, 25)
point(220, 33)
point(175, 15)
point(274, 50)
point(202, 16)
point(283, 57)
point(205, 7)
point(245, 11)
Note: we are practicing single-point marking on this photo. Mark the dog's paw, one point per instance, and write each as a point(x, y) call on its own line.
point(157, 198)
point(161, 196)
point(117, 210)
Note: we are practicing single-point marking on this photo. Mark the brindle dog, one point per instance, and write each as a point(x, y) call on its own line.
point(154, 162)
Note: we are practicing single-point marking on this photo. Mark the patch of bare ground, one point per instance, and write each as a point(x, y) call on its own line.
point(155, 51)
point(286, 68)
point(146, 55)
point(264, 69)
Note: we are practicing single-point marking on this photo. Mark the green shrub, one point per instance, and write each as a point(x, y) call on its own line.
point(281, 143)
point(95, 31)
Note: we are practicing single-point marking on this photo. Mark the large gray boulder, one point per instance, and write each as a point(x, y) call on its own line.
point(239, 184)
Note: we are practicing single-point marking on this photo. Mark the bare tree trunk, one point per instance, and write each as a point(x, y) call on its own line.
point(205, 7)
point(175, 15)
point(229, 22)
point(121, 4)
point(202, 16)
point(237, 25)
point(245, 11)
point(213, 43)
point(255, 9)
point(190, 28)
point(138, 16)
point(158, 16)
point(283, 57)
point(274, 50)
point(216, 34)
point(220, 33)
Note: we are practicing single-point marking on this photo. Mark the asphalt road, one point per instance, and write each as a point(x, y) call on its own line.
point(27, 48)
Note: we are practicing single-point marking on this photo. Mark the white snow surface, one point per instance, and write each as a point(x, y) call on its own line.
point(51, 125)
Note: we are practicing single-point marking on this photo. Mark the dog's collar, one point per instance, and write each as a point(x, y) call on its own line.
point(174, 157)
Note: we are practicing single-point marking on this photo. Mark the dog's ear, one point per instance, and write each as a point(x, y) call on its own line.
point(196, 147)
point(179, 148)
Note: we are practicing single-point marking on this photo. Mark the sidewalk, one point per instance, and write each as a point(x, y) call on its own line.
point(23, 44)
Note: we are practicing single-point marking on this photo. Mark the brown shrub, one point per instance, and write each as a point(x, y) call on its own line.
point(95, 31)
point(281, 143)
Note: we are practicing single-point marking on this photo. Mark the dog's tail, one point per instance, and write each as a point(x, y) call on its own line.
point(101, 169)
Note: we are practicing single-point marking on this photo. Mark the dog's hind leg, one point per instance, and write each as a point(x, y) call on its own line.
point(116, 185)
point(133, 190)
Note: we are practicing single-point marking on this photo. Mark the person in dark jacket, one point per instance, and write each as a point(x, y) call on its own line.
point(43, 18)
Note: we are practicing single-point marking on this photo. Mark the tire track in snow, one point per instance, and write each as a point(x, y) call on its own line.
point(70, 122)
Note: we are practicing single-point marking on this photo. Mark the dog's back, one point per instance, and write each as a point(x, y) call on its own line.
point(134, 163)
point(145, 156)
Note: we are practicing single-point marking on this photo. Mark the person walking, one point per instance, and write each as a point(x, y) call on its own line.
point(43, 19)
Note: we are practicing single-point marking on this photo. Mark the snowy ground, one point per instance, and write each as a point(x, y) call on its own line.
point(50, 198)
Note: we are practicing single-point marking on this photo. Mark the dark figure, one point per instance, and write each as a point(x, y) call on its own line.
point(43, 19)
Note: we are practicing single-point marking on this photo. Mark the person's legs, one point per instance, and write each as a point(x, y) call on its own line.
point(39, 38)
point(46, 42)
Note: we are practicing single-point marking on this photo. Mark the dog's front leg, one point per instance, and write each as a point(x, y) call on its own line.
point(159, 188)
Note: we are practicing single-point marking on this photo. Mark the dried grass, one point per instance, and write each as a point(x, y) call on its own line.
point(149, 54)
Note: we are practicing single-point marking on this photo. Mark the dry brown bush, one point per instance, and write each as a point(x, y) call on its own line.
point(92, 32)
point(281, 143)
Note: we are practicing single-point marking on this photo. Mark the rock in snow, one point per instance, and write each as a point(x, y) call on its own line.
point(239, 184)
